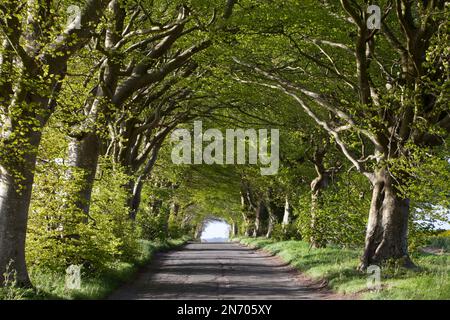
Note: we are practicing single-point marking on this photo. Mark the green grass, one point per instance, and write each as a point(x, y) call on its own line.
point(441, 242)
point(51, 285)
point(338, 267)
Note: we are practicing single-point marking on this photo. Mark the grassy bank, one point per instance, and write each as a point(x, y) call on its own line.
point(51, 285)
point(338, 267)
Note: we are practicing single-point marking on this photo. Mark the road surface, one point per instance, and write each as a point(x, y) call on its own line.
point(219, 271)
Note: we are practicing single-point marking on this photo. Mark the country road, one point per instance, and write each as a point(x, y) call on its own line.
point(219, 271)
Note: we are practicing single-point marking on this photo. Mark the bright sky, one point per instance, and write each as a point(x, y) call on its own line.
point(216, 229)
point(443, 225)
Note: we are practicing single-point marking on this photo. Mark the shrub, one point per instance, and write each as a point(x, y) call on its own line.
point(152, 226)
point(445, 233)
point(341, 216)
point(60, 235)
point(288, 232)
point(442, 242)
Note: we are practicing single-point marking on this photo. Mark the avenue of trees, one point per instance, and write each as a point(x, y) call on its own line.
point(90, 96)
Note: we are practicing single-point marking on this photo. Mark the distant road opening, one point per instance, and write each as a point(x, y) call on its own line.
point(216, 231)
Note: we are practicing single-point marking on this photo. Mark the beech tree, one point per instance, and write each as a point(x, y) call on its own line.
point(133, 65)
point(399, 83)
point(87, 104)
point(136, 140)
point(35, 48)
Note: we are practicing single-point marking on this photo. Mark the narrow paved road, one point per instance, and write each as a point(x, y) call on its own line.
point(219, 271)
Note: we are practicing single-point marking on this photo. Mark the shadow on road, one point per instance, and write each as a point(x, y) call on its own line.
point(219, 271)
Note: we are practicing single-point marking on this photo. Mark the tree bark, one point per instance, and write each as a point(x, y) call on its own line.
point(272, 218)
point(175, 209)
point(135, 187)
point(134, 199)
point(248, 230)
point(17, 169)
point(248, 226)
point(387, 228)
point(234, 229)
point(198, 231)
point(83, 154)
point(261, 213)
point(287, 213)
point(246, 210)
point(16, 183)
point(271, 224)
point(317, 187)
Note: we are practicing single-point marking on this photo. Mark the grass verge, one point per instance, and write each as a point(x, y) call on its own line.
point(338, 267)
point(51, 285)
point(440, 242)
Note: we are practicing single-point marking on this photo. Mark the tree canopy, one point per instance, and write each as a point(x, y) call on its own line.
point(92, 91)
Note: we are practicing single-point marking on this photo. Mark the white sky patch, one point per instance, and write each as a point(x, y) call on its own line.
point(443, 225)
point(216, 230)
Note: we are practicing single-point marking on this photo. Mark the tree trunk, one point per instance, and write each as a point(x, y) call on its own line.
point(248, 225)
point(259, 219)
point(316, 238)
point(246, 216)
point(257, 227)
point(248, 231)
point(198, 231)
point(272, 218)
point(387, 228)
point(134, 198)
point(287, 213)
point(135, 187)
point(16, 183)
point(234, 229)
point(175, 209)
point(317, 187)
point(271, 211)
point(271, 224)
point(83, 154)
point(16, 179)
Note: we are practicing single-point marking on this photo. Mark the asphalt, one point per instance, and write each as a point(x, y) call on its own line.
point(226, 271)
